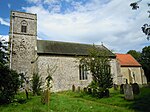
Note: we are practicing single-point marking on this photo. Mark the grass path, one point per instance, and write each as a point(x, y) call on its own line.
point(94, 102)
point(89, 103)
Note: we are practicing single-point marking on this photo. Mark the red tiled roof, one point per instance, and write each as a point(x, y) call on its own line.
point(127, 60)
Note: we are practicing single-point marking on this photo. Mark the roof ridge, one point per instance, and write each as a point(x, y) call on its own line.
point(69, 42)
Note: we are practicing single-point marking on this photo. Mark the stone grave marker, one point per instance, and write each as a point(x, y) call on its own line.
point(89, 90)
point(85, 89)
point(115, 86)
point(73, 88)
point(128, 92)
point(121, 89)
point(78, 88)
point(136, 88)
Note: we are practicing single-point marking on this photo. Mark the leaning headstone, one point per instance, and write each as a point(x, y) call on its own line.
point(128, 92)
point(136, 88)
point(73, 88)
point(121, 89)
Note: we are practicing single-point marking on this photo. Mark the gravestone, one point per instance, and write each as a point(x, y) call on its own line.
point(89, 90)
point(78, 88)
point(128, 92)
point(136, 88)
point(94, 92)
point(73, 88)
point(85, 89)
point(115, 86)
point(106, 93)
point(121, 89)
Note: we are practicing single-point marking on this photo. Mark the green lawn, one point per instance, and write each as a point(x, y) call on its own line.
point(80, 102)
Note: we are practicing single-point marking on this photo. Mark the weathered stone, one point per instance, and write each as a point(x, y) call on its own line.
point(73, 88)
point(89, 90)
point(136, 88)
point(78, 88)
point(85, 89)
point(23, 43)
point(128, 92)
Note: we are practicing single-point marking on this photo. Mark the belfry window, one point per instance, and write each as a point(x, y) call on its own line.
point(83, 72)
point(24, 26)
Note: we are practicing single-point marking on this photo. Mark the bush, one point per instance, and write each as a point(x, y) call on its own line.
point(9, 84)
point(36, 84)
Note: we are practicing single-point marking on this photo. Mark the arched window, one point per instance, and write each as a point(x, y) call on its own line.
point(83, 72)
point(24, 26)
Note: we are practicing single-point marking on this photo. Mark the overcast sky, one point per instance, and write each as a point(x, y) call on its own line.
point(112, 22)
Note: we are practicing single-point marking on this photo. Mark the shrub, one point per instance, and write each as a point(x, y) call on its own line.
point(36, 84)
point(9, 84)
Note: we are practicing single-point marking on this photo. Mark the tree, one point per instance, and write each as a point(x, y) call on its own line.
point(145, 27)
point(135, 54)
point(9, 84)
point(98, 63)
point(3, 53)
point(145, 61)
point(9, 79)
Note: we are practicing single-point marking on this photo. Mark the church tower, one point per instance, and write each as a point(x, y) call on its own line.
point(23, 42)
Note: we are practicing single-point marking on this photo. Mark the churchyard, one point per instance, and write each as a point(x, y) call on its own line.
point(78, 101)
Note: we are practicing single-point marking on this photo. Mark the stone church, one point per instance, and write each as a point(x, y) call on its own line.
point(29, 55)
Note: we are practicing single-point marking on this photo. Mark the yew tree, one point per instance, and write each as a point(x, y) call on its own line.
point(98, 63)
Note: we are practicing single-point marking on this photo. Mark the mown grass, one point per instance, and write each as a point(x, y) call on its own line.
point(80, 102)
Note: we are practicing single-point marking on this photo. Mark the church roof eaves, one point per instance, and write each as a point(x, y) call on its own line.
point(45, 47)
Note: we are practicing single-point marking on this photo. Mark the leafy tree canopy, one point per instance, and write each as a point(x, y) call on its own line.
point(145, 27)
point(144, 59)
point(135, 54)
point(98, 63)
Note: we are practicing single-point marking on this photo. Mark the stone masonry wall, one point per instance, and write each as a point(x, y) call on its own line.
point(66, 74)
point(115, 71)
point(23, 43)
point(126, 71)
point(23, 54)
